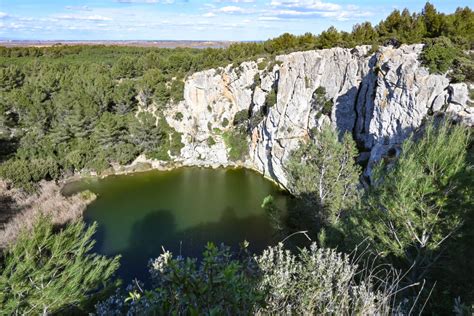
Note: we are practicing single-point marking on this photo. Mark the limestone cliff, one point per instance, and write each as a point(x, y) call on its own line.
point(379, 97)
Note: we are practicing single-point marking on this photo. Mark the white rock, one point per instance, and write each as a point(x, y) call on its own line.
point(458, 93)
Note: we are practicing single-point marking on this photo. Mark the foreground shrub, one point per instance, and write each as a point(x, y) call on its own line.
point(46, 272)
point(218, 284)
point(319, 281)
point(417, 205)
point(314, 281)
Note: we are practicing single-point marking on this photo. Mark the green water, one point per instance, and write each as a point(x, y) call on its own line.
point(179, 210)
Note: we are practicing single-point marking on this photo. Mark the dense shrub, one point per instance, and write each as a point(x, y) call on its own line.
point(225, 122)
point(416, 205)
point(324, 104)
point(240, 117)
point(322, 282)
point(314, 281)
point(10, 78)
point(237, 142)
point(439, 55)
point(46, 272)
point(271, 98)
point(211, 141)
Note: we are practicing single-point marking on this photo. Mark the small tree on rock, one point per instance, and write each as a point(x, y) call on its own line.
point(323, 172)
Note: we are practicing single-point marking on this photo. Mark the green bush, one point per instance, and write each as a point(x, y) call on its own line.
point(11, 77)
point(49, 273)
point(439, 54)
point(241, 117)
point(177, 90)
point(178, 116)
point(124, 153)
point(315, 281)
point(99, 163)
point(257, 80)
point(175, 143)
point(225, 122)
point(318, 281)
point(271, 98)
point(124, 68)
point(210, 141)
point(423, 195)
point(463, 68)
point(326, 105)
point(24, 172)
point(323, 172)
point(237, 142)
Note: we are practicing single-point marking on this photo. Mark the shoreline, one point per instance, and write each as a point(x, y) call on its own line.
point(50, 200)
point(143, 164)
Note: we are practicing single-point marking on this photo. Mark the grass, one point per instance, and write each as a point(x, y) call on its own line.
point(20, 210)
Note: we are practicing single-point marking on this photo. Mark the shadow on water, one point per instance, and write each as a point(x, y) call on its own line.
point(158, 231)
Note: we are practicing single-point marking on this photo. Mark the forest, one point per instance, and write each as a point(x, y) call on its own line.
point(402, 245)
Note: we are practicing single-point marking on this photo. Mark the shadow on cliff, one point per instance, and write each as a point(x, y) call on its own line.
point(352, 106)
point(159, 230)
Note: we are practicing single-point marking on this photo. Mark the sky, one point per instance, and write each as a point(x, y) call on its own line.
point(238, 20)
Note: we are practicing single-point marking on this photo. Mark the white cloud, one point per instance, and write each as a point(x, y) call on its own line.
point(3, 15)
point(234, 10)
point(146, 1)
point(78, 8)
point(231, 9)
point(268, 18)
point(83, 17)
point(307, 5)
point(304, 9)
point(209, 15)
point(236, 1)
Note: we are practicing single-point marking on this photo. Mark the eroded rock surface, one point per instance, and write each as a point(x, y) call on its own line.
point(381, 98)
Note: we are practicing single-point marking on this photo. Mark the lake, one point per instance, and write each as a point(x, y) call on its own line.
point(179, 210)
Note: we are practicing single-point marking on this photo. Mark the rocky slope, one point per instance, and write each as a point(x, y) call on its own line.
point(380, 97)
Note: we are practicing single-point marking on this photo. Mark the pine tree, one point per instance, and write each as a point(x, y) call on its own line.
point(415, 205)
point(46, 272)
point(124, 97)
point(324, 172)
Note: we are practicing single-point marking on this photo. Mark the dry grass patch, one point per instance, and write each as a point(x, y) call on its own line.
point(19, 210)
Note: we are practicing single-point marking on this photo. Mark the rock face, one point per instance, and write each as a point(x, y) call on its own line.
point(381, 98)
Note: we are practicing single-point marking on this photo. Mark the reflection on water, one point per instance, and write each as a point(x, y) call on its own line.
point(180, 210)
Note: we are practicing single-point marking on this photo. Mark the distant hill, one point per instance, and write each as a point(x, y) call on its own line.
point(136, 43)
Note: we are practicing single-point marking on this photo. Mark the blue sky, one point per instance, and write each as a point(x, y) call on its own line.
point(190, 19)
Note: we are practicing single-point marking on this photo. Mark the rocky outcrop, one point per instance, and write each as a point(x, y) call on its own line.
point(381, 98)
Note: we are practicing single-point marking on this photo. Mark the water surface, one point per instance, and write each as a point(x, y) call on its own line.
point(179, 210)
